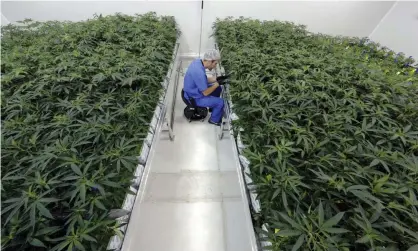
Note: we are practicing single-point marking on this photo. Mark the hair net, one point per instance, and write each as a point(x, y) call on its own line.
point(212, 55)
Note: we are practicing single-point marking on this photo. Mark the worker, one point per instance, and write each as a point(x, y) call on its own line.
point(205, 90)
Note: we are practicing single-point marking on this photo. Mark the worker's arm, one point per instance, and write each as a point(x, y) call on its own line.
point(201, 81)
point(211, 89)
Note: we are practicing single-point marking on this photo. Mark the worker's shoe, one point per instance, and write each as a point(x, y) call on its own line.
point(213, 123)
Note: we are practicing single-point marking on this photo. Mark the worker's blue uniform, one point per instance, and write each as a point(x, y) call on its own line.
point(195, 82)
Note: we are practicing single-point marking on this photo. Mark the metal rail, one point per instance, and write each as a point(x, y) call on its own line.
point(174, 97)
point(169, 122)
point(224, 95)
point(251, 196)
point(145, 175)
point(241, 174)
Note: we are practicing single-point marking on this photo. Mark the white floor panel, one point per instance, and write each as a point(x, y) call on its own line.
point(229, 185)
point(168, 226)
point(236, 229)
point(192, 199)
point(193, 150)
point(192, 186)
point(226, 156)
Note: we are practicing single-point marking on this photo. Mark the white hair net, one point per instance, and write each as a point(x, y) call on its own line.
point(212, 55)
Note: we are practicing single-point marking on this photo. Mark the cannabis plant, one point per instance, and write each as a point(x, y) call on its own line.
point(77, 98)
point(330, 126)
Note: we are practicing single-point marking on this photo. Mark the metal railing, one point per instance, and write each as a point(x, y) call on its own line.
point(224, 95)
point(174, 97)
point(169, 121)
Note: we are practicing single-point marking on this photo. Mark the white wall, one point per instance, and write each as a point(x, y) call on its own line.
point(187, 13)
point(398, 30)
point(4, 20)
point(351, 18)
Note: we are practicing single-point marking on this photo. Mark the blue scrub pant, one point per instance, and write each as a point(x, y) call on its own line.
point(215, 102)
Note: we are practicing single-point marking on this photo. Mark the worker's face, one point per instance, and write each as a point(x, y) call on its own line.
point(212, 64)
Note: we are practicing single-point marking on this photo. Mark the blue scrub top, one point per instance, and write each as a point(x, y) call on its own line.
point(195, 80)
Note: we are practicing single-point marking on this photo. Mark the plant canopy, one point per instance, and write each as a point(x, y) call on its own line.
point(330, 126)
point(76, 102)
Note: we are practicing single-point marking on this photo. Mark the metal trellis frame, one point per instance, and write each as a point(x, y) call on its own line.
point(225, 90)
point(169, 122)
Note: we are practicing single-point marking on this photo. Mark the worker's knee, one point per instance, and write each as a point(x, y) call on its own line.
point(211, 102)
point(220, 102)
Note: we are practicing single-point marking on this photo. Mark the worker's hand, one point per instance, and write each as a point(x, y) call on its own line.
point(216, 84)
point(222, 80)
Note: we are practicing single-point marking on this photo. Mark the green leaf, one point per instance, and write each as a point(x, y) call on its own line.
point(37, 243)
point(278, 190)
point(110, 183)
point(60, 246)
point(298, 243)
point(413, 248)
point(83, 192)
point(403, 229)
point(335, 230)
point(364, 195)
point(99, 204)
point(48, 200)
point(32, 215)
point(320, 214)
point(285, 204)
point(76, 169)
point(45, 212)
point(364, 239)
point(70, 247)
point(12, 200)
point(89, 238)
point(333, 220)
point(79, 245)
point(100, 188)
point(16, 206)
point(47, 230)
point(374, 162)
point(289, 233)
point(357, 187)
point(290, 221)
point(71, 178)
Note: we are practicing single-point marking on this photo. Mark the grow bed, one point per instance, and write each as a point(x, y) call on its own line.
point(77, 101)
point(329, 131)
